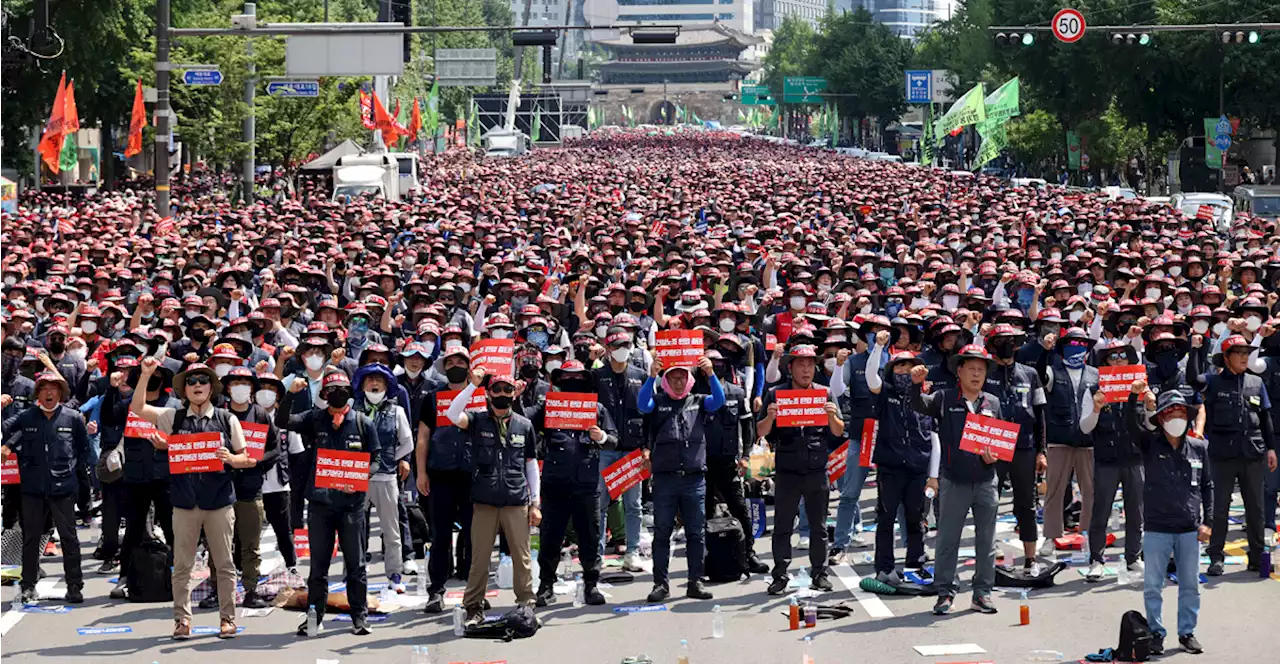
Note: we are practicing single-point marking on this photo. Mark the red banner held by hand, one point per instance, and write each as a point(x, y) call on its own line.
point(982, 432)
point(837, 462)
point(802, 408)
point(9, 471)
point(1115, 382)
point(624, 474)
point(495, 356)
point(678, 348)
point(136, 427)
point(194, 453)
point(444, 399)
point(342, 470)
point(575, 411)
point(870, 428)
point(255, 439)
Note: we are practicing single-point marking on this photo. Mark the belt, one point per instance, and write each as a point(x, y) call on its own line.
point(682, 473)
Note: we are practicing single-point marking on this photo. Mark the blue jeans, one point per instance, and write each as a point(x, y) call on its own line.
point(849, 511)
point(1185, 550)
point(630, 504)
point(687, 495)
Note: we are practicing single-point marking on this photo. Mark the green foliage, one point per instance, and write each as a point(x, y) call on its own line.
point(863, 60)
point(791, 54)
point(1036, 136)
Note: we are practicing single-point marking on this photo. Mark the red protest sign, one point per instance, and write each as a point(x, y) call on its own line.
point(255, 439)
point(495, 356)
point(678, 348)
point(982, 432)
point(624, 474)
point(770, 343)
point(9, 471)
point(570, 410)
point(870, 428)
point(194, 453)
point(837, 462)
point(342, 470)
point(1115, 382)
point(136, 427)
point(784, 330)
point(444, 399)
point(302, 544)
point(802, 408)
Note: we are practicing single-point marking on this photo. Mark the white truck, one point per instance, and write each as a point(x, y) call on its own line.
point(504, 143)
point(392, 176)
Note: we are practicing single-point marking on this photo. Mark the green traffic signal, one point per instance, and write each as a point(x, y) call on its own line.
point(1253, 36)
point(1029, 39)
point(1144, 39)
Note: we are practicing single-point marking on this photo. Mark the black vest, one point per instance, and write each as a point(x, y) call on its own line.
point(1233, 424)
point(1063, 413)
point(570, 458)
point(1014, 386)
point(248, 481)
point(958, 465)
point(857, 403)
point(723, 428)
point(449, 450)
point(498, 479)
point(206, 491)
point(354, 435)
point(679, 434)
point(620, 395)
point(798, 449)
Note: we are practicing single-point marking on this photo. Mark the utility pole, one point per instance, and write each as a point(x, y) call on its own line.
point(162, 108)
point(250, 125)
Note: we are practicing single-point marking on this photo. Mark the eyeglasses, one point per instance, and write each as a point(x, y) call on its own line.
point(199, 379)
point(506, 389)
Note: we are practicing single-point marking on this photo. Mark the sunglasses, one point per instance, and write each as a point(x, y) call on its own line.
point(200, 379)
point(506, 389)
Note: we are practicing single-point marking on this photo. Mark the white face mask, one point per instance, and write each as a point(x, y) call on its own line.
point(1175, 270)
point(89, 326)
point(240, 393)
point(866, 309)
point(464, 287)
point(9, 281)
point(265, 398)
point(222, 370)
point(1153, 293)
point(919, 303)
point(1084, 289)
point(829, 364)
point(313, 362)
point(552, 365)
point(1056, 256)
point(501, 334)
point(431, 347)
point(727, 324)
point(619, 355)
point(452, 343)
point(1075, 315)
point(1219, 329)
point(373, 397)
point(1200, 326)
point(950, 302)
point(413, 373)
point(78, 353)
point(1253, 323)
point(1175, 426)
point(797, 302)
point(1184, 309)
point(602, 330)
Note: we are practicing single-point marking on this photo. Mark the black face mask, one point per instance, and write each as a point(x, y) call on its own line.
point(637, 307)
point(529, 371)
point(574, 385)
point(582, 354)
point(501, 402)
point(11, 366)
point(57, 347)
point(338, 397)
point(1003, 350)
point(456, 374)
point(155, 384)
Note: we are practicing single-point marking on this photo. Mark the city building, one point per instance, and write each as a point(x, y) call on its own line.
point(905, 18)
point(737, 15)
point(770, 13)
point(708, 53)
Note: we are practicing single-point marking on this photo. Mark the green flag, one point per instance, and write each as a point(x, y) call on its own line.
point(473, 126)
point(69, 156)
point(967, 110)
point(1073, 150)
point(927, 138)
point(1003, 103)
point(994, 139)
point(432, 122)
point(696, 119)
point(535, 125)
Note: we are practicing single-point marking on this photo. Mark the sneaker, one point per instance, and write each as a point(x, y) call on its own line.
point(121, 591)
point(859, 542)
point(227, 630)
point(678, 537)
point(253, 601)
point(983, 604)
point(302, 628)
point(410, 567)
point(593, 596)
point(755, 565)
point(1215, 568)
point(943, 606)
point(75, 595)
point(1047, 548)
point(778, 585)
point(474, 617)
point(28, 597)
point(697, 590)
point(546, 596)
point(631, 562)
point(182, 629)
point(435, 603)
point(658, 594)
point(821, 583)
point(834, 555)
point(1190, 644)
point(209, 602)
point(108, 566)
point(1137, 567)
point(394, 582)
point(889, 578)
point(360, 627)
point(50, 549)
point(1157, 645)
point(803, 544)
point(1095, 573)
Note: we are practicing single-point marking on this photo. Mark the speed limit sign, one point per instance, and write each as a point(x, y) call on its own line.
point(1068, 25)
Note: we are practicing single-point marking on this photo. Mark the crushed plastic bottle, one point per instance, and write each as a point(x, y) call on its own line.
point(579, 593)
point(566, 566)
point(459, 618)
point(313, 622)
point(717, 622)
point(1122, 574)
point(506, 572)
point(1044, 656)
point(1081, 556)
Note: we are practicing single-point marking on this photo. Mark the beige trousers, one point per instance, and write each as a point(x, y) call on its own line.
point(218, 527)
point(485, 522)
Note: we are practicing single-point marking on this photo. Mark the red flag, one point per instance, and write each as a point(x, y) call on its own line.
point(395, 110)
point(137, 121)
point(1205, 212)
point(384, 122)
point(51, 139)
point(70, 117)
point(65, 226)
point(366, 110)
point(164, 226)
point(415, 120)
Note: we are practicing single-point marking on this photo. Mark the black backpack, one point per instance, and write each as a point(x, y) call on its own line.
point(518, 623)
point(1135, 638)
point(726, 550)
point(149, 577)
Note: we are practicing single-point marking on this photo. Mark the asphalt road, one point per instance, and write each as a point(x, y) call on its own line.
point(1238, 619)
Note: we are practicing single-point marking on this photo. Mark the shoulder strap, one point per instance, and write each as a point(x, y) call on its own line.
point(359, 424)
point(179, 416)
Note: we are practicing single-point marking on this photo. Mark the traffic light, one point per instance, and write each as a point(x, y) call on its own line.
point(1239, 37)
point(1130, 39)
point(1015, 38)
point(402, 12)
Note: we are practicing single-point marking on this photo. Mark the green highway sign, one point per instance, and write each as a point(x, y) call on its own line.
point(756, 95)
point(803, 89)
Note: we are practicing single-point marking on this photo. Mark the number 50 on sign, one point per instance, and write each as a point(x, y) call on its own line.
point(1068, 25)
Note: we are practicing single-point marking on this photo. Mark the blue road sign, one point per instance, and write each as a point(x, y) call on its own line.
point(1222, 142)
point(202, 77)
point(293, 88)
point(1223, 126)
point(919, 86)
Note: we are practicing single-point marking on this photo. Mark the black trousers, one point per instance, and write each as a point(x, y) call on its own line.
point(1106, 478)
point(298, 487)
point(724, 483)
point(139, 498)
point(899, 488)
point(788, 489)
point(276, 507)
point(560, 503)
point(35, 511)
point(324, 523)
point(448, 503)
point(1022, 475)
point(12, 510)
point(1226, 472)
point(113, 508)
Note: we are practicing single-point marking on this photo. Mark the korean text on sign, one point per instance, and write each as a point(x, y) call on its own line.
point(194, 453)
point(1114, 382)
point(445, 399)
point(342, 470)
point(624, 474)
point(982, 433)
point(802, 408)
point(495, 356)
point(678, 348)
point(136, 427)
point(255, 439)
point(9, 471)
point(570, 410)
point(837, 462)
point(870, 428)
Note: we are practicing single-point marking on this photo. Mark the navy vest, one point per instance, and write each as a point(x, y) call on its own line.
point(1233, 420)
point(1063, 413)
point(798, 449)
point(1014, 386)
point(498, 479)
point(571, 458)
point(679, 434)
point(206, 491)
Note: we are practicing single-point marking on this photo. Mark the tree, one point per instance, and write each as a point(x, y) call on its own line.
point(863, 62)
point(1037, 138)
point(790, 55)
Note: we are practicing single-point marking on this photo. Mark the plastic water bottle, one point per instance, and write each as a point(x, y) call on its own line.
point(1081, 557)
point(313, 622)
point(579, 593)
point(506, 571)
point(717, 622)
point(1044, 656)
point(807, 656)
point(566, 566)
point(803, 576)
point(459, 617)
point(1024, 608)
point(420, 584)
point(683, 657)
point(1122, 574)
point(415, 657)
